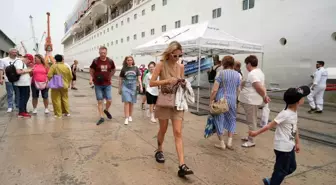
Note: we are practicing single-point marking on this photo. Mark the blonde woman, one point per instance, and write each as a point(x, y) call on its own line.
point(128, 79)
point(39, 79)
point(170, 72)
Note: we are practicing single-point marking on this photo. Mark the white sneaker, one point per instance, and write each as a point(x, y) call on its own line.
point(35, 111)
point(67, 115)
point(46, 111)
point(126, 122)
point(153, 120)
point(130, 119)
point(9, 110)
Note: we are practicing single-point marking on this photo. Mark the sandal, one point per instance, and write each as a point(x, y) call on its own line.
point(184, 170)
point(159, 157)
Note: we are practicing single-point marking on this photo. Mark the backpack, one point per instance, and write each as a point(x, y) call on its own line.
point(11, 73)
point(212, 74)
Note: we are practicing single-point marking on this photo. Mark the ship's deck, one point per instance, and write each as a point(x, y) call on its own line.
point(45, 150)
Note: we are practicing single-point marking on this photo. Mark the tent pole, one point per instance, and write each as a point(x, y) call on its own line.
point(262, 61)
point(198, 77)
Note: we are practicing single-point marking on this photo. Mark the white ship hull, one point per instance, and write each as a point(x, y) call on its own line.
point(308, 26)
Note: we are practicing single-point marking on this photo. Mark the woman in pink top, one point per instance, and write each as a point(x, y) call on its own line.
point(39, 83)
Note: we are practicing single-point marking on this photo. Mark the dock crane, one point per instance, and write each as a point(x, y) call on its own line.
point(24, 48)
point(36, 46)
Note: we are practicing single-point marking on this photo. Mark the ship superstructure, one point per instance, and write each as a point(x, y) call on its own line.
point(295, 34)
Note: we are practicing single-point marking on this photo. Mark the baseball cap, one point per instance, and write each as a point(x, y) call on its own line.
point(293, 95)
point(29, 56)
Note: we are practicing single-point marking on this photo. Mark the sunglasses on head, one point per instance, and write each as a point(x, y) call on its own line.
point(177, 56)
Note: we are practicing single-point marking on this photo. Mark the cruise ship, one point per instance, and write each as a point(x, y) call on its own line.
point(294, 33)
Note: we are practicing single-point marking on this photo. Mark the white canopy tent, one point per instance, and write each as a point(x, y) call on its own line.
point(199, 40)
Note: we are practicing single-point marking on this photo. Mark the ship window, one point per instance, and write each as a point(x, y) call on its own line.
point(153, 7)
point(108, 44)
point(333, 36)
point(108, 29)
point(283, 41)
point(194, 19)
point(111, 27)
point(111, 43)
point(121, 40)
point(101, 33)
point(152, 31)
point(116, 41)
point(122, 23)
point(248, 4)
point(177, 24)
point(143, 34)
point(143, 12)
point(128, 38)
point(135, 16)
point(164, 2)
point(128, 19)
point(164, 28)
point(116, 25)
point(135, 37)
point(216, 13)
point(104, 32)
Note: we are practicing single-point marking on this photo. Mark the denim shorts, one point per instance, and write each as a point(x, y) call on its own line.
point(36, 92)
point(103, 92)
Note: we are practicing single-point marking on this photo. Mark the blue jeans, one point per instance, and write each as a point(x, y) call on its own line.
point(103, 92)
point(285, 164)
point(11, 92)
point(24, 97)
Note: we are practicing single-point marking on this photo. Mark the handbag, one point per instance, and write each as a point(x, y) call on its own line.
point(167, 94)
point(56, 81)
point(220, 106)
point(40, 85)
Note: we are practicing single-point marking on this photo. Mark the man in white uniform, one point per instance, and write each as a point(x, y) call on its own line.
point(315, 98)
point(11, 89)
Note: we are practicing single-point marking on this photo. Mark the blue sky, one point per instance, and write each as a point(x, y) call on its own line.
point(15, 20)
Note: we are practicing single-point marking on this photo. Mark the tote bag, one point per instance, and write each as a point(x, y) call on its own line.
point(56, 81)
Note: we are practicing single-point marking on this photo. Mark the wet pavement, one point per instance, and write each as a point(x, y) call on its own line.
point(74, 151)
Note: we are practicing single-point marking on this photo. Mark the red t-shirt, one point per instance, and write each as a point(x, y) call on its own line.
point(103, 71)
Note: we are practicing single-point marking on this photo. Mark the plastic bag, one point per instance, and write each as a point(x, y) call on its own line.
point(264, 116)
point(210, 128)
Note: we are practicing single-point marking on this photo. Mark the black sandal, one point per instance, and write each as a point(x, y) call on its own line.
point(184, 170)
point(159, 157)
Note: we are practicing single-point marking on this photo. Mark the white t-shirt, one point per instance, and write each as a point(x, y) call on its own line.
point(284, 138)
point(4, 63)
point(151, 90)
point(25, 79)
point(248, 94)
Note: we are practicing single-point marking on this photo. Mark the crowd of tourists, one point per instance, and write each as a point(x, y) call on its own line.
point(167, 94)
point(32, 76)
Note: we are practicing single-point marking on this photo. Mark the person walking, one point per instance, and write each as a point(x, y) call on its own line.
point(23, 84)
point(252, 95)
point(286, 137)
point(11, 89)
point(315, 98)
point(129, 77)
point(152, 93)
point(60, 97)
point(74, 76)
point(143, 72)
point(102, 70)
point(226, 86)
point(39, 83)
point(170, 72)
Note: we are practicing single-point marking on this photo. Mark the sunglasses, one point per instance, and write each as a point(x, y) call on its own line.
point(177, 56)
